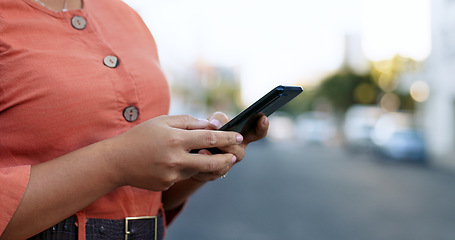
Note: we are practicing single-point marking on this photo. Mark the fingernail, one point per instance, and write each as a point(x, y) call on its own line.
point(266, 121)
point(239, 138)
point(215, 123)
point(234, 159)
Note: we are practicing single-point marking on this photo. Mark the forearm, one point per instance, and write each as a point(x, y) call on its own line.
point(180, 192)
point(59, 188)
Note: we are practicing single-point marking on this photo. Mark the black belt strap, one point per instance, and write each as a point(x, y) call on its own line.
point(111, 229)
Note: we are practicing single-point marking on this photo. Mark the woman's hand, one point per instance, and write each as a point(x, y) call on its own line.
point(155, 154)
point(216, 121)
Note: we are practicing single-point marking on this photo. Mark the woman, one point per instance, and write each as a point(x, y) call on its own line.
point(84, 137)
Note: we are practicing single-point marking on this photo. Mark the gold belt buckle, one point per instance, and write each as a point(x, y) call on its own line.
point(127, 231)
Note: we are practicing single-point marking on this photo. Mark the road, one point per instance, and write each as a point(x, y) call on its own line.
point(289, 191)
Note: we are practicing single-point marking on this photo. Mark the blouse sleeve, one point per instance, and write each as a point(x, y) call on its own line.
point(13, 182)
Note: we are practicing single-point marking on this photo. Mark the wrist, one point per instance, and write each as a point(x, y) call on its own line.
point(111, 162)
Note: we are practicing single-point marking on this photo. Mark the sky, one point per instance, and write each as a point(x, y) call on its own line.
point(284, 42)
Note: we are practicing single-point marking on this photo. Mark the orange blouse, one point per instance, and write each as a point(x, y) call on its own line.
point(70, 79)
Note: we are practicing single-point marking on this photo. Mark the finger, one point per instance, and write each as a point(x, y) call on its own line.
point(262, 127)
point(186, 122)
point(223, 171)
point(237, 150)
point(210, 163)
point(200, 139)
point(260, 131)
point(217, 173)
point(205, 177)
point(217, 120)
point(204, 151)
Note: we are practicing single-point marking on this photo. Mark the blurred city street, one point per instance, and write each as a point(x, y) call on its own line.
point(288, 190)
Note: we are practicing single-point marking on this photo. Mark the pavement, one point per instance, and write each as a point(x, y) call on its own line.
point(289, 190)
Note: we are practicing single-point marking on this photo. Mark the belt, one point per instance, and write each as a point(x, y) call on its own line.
point(133, 228)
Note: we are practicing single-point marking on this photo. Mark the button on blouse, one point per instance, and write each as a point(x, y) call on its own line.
point(111, 61)
point(130, 113)
point(78, 22)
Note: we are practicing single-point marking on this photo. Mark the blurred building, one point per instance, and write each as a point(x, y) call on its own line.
point(439, 110)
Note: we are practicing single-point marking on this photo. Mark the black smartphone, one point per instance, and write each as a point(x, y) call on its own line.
point(268, 104)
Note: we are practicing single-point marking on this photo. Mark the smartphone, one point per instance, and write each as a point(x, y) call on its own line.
point(268, 104)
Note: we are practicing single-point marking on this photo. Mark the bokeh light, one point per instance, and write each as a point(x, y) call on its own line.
point(390, 102)
point(420, 91)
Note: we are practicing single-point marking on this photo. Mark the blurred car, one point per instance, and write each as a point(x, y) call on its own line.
point(407, 145)
point(396, 137)
point(359, 123)
point(315, 127)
